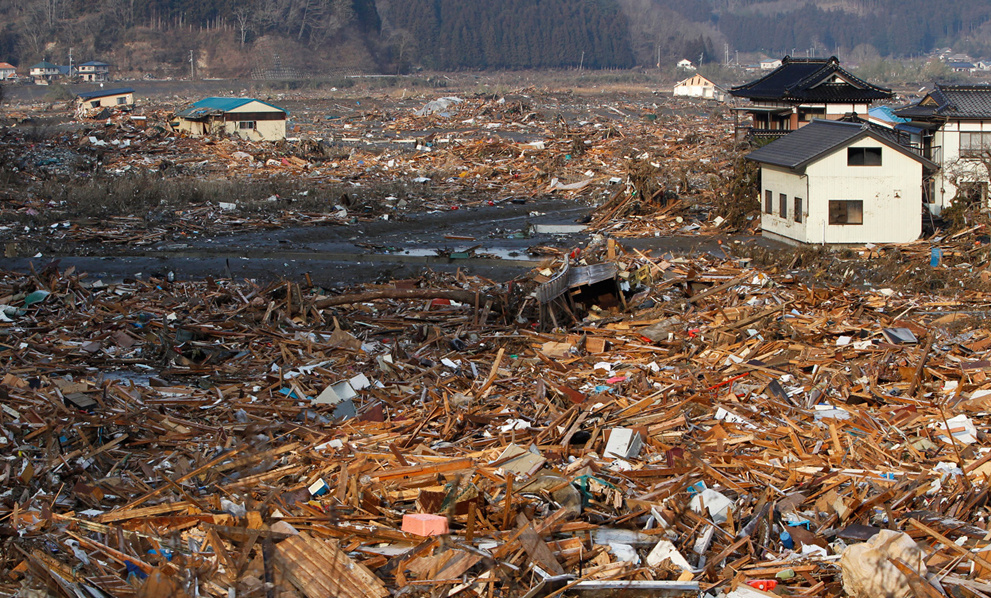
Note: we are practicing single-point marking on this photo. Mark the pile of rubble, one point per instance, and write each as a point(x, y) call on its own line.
point(481, 150)
point(679, 427)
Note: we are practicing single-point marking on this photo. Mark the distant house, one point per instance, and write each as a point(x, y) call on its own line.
point(93, 71)
point(840, 183)
point(769, 64)
point(956, 124)
point(962, 67)
point(698, 86)
point(91, 102)
point(246, 117)
point(7, 71)
point(800, 90)
point(45, 72)
point(686, 64)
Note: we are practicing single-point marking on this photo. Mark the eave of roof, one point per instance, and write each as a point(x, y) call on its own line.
point(800, 148)
point(100, 93)
point(800, 79)
point(228, 104)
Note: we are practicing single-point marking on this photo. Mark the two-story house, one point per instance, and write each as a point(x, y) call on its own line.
point(7, 71)
point(800, 90)
point(45, 72)
point(956, 125)
point(834, 182)
point(93, 71)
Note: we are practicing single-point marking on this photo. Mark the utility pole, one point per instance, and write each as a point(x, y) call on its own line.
point(191, 75)
point(70, 63)
point(581, 63)
point(726, 53)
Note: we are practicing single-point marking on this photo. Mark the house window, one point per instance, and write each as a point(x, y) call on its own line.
point(94, 104)
point(798, 209)
point(846, 211)
point(768, 202)
point(783, 205)
point(975, 145)
point(121, 100)
point(246, 124)
point(863, 156)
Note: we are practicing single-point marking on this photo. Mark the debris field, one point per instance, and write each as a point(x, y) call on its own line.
point(715, 430)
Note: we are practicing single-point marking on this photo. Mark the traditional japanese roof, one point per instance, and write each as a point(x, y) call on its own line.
point(819, 80)
point(94, 63)
point(798, 149)
point(101, 93)
point(7, 66)
point(44, 64)
point(952, 101)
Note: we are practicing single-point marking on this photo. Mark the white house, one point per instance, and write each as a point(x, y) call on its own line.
point(698, 86)
point(957, 135)
point(248, 118)
point(840, 183)
point(92, 102)
point(769, 64)
point(93, 71)
point(686, 64)
point(7, 71)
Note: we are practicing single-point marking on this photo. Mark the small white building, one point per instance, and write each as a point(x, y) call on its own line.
point(93, 102)
point(769, 64)
point(248, 118)
point(7, 71)
point(840, 183)
point(698, 86)
point(686, 64)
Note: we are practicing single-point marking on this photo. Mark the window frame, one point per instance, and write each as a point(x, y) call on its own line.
point(846, 210)
point(798, 209)
point(970, 151)
point(768, 201)
point(241, 127)
point(783, 205)
point(864, 154)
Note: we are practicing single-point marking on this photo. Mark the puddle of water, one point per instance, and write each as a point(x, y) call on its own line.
point(503, 253)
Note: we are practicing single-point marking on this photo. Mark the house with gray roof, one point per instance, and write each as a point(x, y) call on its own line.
point(841, 183)
point(956, 125)
point(800, 90)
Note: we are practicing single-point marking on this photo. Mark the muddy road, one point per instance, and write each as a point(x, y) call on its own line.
point(498, 242)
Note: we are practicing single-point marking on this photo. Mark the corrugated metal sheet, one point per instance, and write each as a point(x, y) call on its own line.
point(574, 276)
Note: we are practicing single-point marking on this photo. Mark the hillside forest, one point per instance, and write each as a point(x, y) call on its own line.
point(229, 38)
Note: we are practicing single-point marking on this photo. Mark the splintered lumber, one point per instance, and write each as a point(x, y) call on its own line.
point(319, 569)
point(468, 297)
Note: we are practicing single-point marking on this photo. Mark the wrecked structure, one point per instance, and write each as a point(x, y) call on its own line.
point(247, 118)
point(90, 103)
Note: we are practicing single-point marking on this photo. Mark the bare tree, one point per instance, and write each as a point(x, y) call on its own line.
point(243, 16)
point(403, 43)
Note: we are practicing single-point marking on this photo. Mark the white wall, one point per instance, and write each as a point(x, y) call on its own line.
point(782, 180)
point(892, 196)
point(948, 138)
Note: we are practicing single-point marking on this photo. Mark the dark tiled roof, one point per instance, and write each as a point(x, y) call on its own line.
point(952, 101)
point(820, 137)
point(803, 80)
